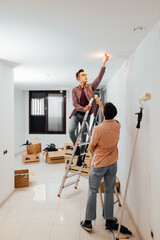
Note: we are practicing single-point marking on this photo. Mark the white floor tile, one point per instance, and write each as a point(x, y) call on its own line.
point(36, 231)
point(98, 232)
point(60, 232)
point(17, 216)
point(46, 216)
point(11, 231)
point(67, 217)
point(3, 212)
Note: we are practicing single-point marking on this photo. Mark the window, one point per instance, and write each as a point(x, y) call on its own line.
point(47, 112)
point(37, 106)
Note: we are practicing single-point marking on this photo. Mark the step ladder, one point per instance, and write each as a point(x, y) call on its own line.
point(83, 155)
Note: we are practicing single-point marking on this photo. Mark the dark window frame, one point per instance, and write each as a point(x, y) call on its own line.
point(46, 111)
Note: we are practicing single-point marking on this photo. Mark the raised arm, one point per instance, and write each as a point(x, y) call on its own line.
point(98, 79)
point(98, 101)
point(94, 141)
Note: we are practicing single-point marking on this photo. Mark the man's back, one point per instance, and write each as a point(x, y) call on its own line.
point(105, 138)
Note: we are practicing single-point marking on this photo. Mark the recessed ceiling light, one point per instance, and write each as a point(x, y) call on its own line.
point(138, 29)
point(48, 76)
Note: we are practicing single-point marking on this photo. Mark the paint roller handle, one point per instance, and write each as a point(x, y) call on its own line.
point(140, 114)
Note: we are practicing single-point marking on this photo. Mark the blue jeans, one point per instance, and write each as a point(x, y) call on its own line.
point(95, 177)
point(75, 120)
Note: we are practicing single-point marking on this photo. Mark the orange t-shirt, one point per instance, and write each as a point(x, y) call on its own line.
point(105, 139)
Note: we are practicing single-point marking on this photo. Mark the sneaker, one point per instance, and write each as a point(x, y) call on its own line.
point(77, 152)
point(111, 221)
point(79, 161)
point(111, 225)
point(86, 226)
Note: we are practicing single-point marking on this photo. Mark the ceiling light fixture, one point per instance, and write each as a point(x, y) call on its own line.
point(138, 29)
point(100, 55)
point(48, 76)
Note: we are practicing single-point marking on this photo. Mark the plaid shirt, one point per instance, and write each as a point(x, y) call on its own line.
point(89, 92)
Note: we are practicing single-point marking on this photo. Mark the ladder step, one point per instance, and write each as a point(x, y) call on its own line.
point(69, 184)
point(83, 154)
point(73, 174)
point(85, 143)
point(73, 165)
point(69, 161)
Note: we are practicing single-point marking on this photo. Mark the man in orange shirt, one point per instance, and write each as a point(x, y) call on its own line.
point(104, 142)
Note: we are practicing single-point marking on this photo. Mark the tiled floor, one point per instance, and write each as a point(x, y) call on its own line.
point(36, 213)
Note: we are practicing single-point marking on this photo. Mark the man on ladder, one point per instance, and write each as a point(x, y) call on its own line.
point(81, 96)
point(104, 142)
point(83, 99)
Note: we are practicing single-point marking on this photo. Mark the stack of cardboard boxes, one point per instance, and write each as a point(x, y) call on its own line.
point(68, 149)
point(32, 154)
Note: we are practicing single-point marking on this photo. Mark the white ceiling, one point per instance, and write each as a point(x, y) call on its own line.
point(51, 40)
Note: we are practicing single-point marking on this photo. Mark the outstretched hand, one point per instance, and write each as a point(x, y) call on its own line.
point(106, 57)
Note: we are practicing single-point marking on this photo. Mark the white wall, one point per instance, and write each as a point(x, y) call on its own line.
point(19, 120)
point(6, 131)
point(57, 139)
point(140, 74)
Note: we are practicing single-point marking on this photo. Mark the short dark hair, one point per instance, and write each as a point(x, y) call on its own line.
point(77, 74)
point(110, 111)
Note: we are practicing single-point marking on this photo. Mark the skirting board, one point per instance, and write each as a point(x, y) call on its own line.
point(5, 200)
point(19, 152)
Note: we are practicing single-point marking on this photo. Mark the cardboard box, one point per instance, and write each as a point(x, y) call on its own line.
point(30, 158)
point(68, 149)
point(85, 170)
point(55, 157)
point(117, 185)
point(21, 178)
point(36, 140)
point(34, 148)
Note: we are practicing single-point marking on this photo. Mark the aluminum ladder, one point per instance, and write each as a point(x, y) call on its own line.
point(83, 155)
